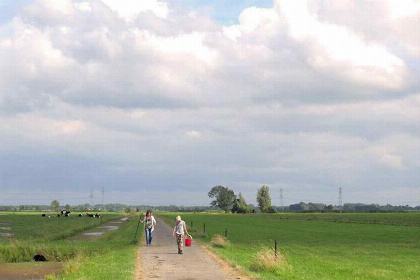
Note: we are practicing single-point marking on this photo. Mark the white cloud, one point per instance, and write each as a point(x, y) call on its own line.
point(308, 96)
point(129, 9)
point(193, 134)
point(83, 6)
point(335, 47)
point(403, 8)
point(392, 161)
point(183, 44)
point(391, 23)
point(69, 127)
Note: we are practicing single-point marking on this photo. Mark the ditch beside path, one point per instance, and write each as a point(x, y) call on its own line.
point(161, 260)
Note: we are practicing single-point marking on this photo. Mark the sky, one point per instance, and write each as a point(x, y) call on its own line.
point(159, 101)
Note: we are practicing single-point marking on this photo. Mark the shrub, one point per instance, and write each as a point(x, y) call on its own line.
point(265, 260)
point(219, 241)
point(270, 209)
point(21, 251)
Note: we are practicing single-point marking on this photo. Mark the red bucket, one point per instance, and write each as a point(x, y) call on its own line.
point(188, 241)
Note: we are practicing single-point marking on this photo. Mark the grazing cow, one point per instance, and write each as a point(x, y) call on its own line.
point(58, 215)
point(93, 215)
point(80, 215)
point(65, 213)
point(43, 215)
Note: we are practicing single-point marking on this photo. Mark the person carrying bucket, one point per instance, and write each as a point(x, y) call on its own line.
point(180, 229)
point(149, 225)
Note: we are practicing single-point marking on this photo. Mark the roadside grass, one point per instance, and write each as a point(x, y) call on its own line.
point(31, 226)
point(265, 260)
point(34, 234)
point(315, 246)
point(218, 240)
point(110, 256)
point(113, 258)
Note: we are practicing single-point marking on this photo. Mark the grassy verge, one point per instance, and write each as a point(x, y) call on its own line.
point(33, 227)
point(34, 234)
point(111, 256)
point(329, 247)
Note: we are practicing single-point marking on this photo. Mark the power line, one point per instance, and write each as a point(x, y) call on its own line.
point(281, 198)
point(91, 196)
point(103, 198)
point(340, 199)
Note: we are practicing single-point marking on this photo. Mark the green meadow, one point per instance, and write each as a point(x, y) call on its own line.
point(310, 245)
point(314, 246)
point(61, 240)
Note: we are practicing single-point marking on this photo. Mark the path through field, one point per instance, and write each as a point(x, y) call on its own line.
point(161, 260)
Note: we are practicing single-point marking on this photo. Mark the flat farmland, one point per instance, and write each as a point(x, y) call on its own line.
point(70, 254)
point(315, 246)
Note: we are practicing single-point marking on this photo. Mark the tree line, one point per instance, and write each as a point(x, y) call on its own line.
point(225, 199)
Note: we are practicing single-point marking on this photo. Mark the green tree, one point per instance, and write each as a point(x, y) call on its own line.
point(224, 198)
point(264, 200)
point(55, 205)
point(240, 205)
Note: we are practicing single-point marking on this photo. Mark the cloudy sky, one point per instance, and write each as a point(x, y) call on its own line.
point(158, 101)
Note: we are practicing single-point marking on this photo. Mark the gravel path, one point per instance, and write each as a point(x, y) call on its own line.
point(161, 260)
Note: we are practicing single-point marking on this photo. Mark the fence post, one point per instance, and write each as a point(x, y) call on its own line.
point(275, 248)
point(204, 231)
point(226, 232)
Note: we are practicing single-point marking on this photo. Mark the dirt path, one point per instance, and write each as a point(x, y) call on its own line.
point(28, 270)
point(161, 260)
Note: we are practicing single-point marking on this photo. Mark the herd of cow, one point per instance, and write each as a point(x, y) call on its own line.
point(65, 213)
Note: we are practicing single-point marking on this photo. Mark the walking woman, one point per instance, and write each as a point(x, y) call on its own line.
point(180, 229)
point(149, 225)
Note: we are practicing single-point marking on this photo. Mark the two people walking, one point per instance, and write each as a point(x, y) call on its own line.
point(179, 231)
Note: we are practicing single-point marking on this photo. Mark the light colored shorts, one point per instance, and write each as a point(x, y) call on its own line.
point(179, 239)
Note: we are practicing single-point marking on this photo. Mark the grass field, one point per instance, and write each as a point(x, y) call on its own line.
point(316, 246)
point(311, 246)
point(111, 255)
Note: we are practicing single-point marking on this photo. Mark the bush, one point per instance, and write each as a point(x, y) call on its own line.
point(271, 209)
point(219, 241)
point(265, 260)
